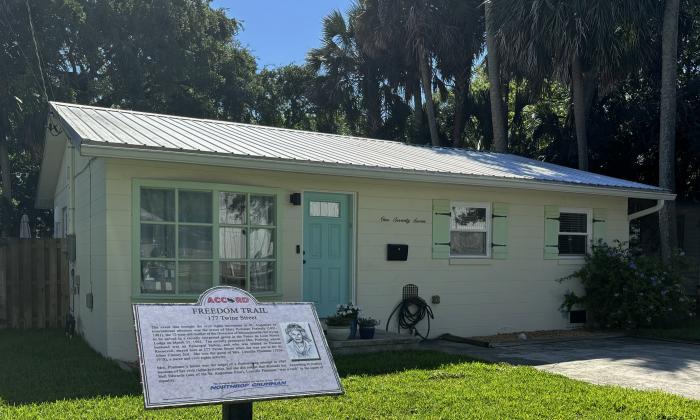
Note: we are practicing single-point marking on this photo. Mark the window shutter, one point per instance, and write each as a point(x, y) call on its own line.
point(551, 232)
point(441, 229)
point(600, 221)
point(499, 231)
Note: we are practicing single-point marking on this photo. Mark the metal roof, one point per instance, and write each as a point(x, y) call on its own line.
point(95, 126)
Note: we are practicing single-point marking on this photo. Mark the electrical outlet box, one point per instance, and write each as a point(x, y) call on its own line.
point(88, 301)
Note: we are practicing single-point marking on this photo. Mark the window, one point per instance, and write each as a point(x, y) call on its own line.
point(191, 239)
point(247, 241)
point(574, 231)
point(470, 230)
point(324, 209)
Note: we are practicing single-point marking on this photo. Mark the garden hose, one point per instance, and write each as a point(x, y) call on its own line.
point(410, 311)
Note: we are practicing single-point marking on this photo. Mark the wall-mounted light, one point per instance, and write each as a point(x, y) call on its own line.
point(295, 199)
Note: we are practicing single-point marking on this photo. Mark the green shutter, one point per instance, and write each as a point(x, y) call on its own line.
point(441, 229)
point(551, 232)
point(499, 231)
point(600, 221)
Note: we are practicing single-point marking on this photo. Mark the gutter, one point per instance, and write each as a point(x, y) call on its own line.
point(658, 206)
point(215, 159)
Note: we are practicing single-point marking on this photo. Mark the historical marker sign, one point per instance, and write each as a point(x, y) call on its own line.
point(229, 348)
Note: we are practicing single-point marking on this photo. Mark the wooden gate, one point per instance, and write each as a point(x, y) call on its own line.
point(33, 283)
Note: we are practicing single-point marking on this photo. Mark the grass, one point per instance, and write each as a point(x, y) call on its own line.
point(687, 332)
point(45, 375)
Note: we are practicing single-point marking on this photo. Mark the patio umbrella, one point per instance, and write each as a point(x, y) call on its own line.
point(24, 232)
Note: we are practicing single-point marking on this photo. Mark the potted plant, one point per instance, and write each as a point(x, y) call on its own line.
point(350, 312)
point(367, 327)
point(337, 327)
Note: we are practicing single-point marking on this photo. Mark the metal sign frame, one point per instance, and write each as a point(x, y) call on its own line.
point(142, 365)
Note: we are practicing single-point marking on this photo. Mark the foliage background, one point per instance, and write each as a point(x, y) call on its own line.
point(183, 57)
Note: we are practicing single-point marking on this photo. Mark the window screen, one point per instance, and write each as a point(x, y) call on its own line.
point(574, 233)
point(469, 226)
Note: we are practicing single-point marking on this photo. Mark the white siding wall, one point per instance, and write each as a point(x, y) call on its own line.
point(477, 296)
point(89, 229)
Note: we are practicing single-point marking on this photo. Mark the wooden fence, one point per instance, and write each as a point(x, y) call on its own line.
point(33, 283)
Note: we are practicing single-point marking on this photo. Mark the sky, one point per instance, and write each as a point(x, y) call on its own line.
point(280, 32)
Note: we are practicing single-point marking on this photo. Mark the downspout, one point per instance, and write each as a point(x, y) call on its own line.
point(73, 315)
point(70, 229)
point(646, 212)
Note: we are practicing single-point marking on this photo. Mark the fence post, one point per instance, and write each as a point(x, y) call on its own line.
point(64, 283)
point(3, 285)
point(13, 283)
point(26, 283)
point(52, 278)
point(39, 283)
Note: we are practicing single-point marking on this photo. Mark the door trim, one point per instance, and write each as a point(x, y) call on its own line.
point(352, 246)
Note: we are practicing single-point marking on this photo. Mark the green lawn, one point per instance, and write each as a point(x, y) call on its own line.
point(688, 332)
point(44, 375)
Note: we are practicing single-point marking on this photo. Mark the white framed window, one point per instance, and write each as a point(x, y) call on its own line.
point(470, 230)
point(575, 231)
point(192, 236)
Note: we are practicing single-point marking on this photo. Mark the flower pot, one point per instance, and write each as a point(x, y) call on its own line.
point(353, 330)
point(336, 333)
point(366, 333)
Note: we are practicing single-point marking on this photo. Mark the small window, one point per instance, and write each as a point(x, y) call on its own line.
point(324, 209)
point(470, 230)
point(574, 232)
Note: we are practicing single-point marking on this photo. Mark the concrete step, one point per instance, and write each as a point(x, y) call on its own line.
point(382, 341)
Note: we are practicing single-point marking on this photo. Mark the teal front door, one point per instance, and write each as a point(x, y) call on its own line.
point(327, 233)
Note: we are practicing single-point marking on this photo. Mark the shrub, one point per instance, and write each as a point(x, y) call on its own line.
point(628, 291)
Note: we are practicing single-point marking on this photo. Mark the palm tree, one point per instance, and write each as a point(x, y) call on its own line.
point(381, 35)
point(410, 26)
point(460, 41)
point(667, 123)
point(346, 68)
point(588, 44)
point(500, 142)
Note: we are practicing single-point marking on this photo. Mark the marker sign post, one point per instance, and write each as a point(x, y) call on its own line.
point(228, 348)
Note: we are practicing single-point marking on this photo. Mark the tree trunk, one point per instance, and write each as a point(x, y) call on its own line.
point(500, 141)
point(667, 125)
point(579, 102)
point(460, 91)
point(417, 112)
point(426, 76)
point(373, 103)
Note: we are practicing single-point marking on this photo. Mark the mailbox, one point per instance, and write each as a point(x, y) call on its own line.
point(396, 252)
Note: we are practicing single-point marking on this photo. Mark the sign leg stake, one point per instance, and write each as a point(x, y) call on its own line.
point(237, 411)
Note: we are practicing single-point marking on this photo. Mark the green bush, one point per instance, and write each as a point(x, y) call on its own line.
point(628, 291)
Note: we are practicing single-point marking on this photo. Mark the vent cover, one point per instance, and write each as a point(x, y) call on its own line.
point(409, 290)
point(577, 317)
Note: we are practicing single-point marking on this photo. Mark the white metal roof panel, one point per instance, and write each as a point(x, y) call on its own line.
point(116, 127)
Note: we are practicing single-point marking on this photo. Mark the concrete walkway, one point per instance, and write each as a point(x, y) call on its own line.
point(629, 362)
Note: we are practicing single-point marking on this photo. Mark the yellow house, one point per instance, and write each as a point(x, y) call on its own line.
point(163, 207)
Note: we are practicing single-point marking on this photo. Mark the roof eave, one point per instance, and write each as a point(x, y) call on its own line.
point(51, 159)
point(214, 159)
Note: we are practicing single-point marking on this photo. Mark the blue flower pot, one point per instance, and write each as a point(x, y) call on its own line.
point(353, 329)
point(366, 333)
